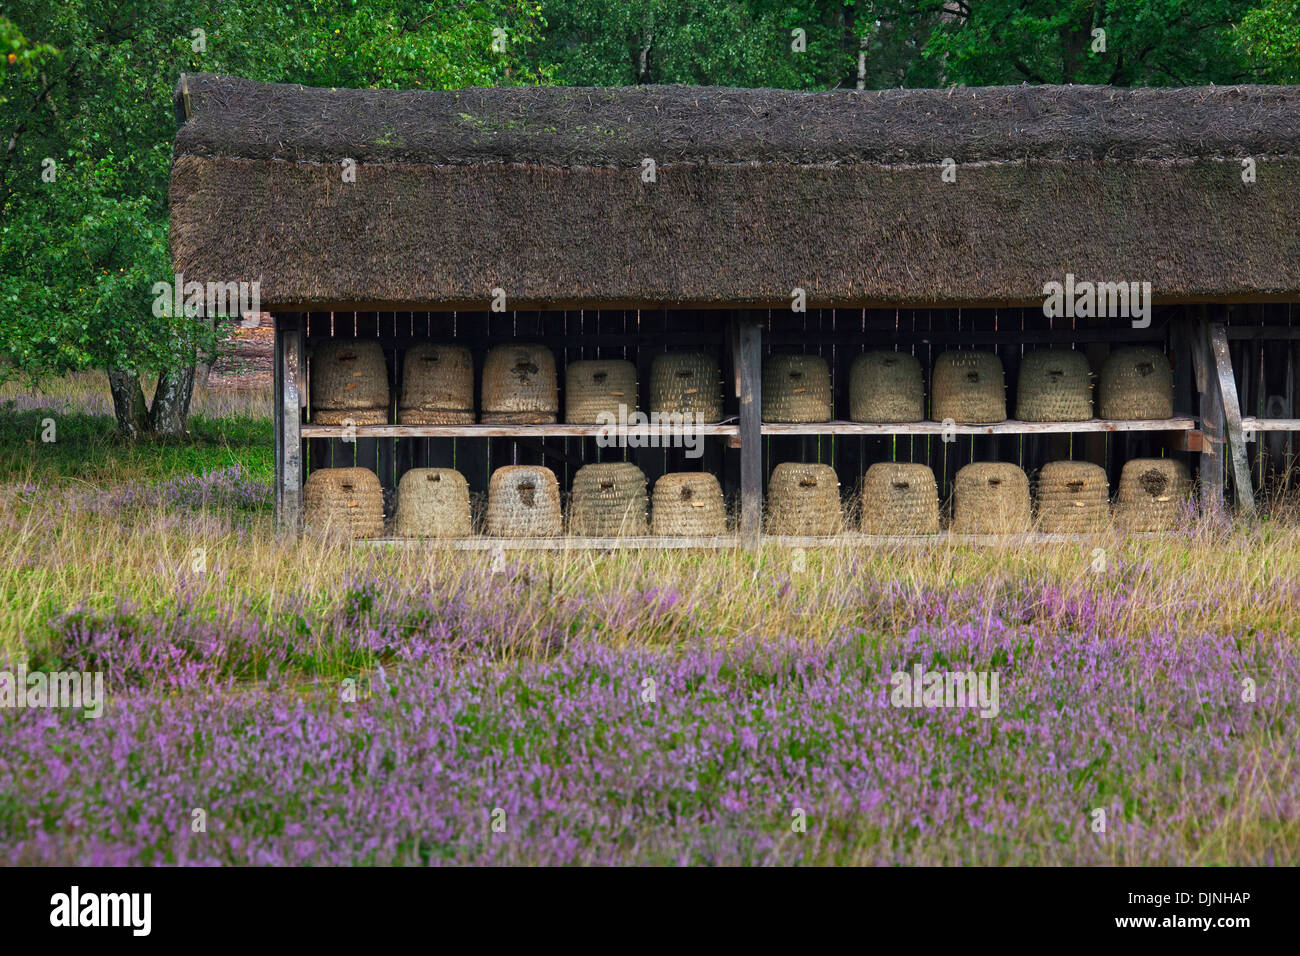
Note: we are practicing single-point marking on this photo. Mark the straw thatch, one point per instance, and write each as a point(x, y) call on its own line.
point(519, 386)
point(968, 387)
point(688, 504)
point(1152, 494)
point(510, 176)
point(596, 387)
point(686, 382)
point(349, 383)
point(796, 388)
point(523, 502)
point(433, 503)
point(991, 497)
point(1055, 385)
point(803, 500)
point(345, 500)
point(1136, 383)
point(899, 498)
point(1073, 498)
point(609, 499)
point(886, 387)
point(437, 386)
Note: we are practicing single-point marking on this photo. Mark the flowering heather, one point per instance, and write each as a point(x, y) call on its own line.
point(464, 708)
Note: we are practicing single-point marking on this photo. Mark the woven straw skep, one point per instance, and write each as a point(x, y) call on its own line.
point(1073, 498)
point(688, 504)
point(599, 386)
point(1055, 385)
point(523, 502)
point(796, 388)
point(803, 500)
point(437, 386)
point(608, 500)
point(346, 500)
point(968, 387)
point(886, 387)
point(686, 382)
point(1152, 493)
point(1137, 383)
point(519, 386)
point(349, 383)
point(991, 497)
point(899, 498)
point(433, 503)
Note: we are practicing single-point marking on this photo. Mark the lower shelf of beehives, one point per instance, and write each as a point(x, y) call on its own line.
point(575, 543)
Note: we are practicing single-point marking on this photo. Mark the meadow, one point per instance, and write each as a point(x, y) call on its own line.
point(325, 703)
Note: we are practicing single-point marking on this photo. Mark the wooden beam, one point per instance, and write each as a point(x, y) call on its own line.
point(749, 367)
point(1236, 447)
point(1250, 423)
point(1009, 427)
point(290, 414)
point(517, 431)
point(1212, 419)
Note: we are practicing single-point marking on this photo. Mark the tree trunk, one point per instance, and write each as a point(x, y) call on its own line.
point(171, 400)
point(128, 402)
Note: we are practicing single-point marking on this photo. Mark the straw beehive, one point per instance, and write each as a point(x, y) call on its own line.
point(1055, 385)
point(519, 386)
point(991, 497)
point(1137, 383)
point(796, 388)
point(968, 387)
point(688, 504)
point(595, 387)
point(349, 383)
point(523, 502)
point(346, 500)
point(433, 503)
point(682, 382)
point(1073, 498)
point(1152, 493)
point(886, 387)
point(803, 500)
point(899, 498)
point(608, 500)
point(437, 386)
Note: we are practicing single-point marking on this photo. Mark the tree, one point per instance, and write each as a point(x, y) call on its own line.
point(83, 180)
point(1270, 39)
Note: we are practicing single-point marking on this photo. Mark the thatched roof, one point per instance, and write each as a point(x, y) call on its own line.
point(539, 191)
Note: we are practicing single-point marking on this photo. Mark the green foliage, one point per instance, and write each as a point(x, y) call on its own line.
point(1270, 37)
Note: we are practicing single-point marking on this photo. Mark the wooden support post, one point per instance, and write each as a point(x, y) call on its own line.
point(1226, 384)
point(749, 368)
point(289, 411)
point(1212, 419)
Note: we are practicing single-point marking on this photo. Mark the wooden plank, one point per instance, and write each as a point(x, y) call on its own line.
point(1210, 468)
point(517, 431)
point(568, 543)
point(1236, 447)
point(290, 413)
point(749, 361)
point(1254, 424)
point(1009, 427)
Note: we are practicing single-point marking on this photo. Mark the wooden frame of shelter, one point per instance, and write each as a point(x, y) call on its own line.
point(623, 222)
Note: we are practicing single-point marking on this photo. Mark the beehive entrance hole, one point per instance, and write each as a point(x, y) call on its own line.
point(972, 376)
point(808, 483)
point(1154, 483)
point(527, 493)
point(599, 377)
point(902, 485)
point(525, 368)
point(434, 477)
point(1145, 368)
point(687, 494)
point(1075, 486)
point(994, 482)
point(607, 486)
point(1055, 374)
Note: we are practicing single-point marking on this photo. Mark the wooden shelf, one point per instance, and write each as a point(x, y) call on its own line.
point(511, 431)
point(1250, 423)
point(1009, 427)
